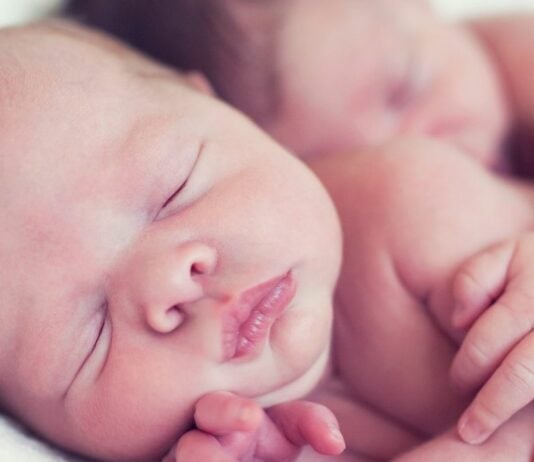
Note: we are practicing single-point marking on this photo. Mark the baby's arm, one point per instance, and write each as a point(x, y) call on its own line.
point(230, 428)
point(367, 432)
point(410, 218)
point(495, 294)
point(511, 442)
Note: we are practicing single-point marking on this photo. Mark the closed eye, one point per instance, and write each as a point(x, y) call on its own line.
point(94, 336)
point(183, 185)
point(175, 193)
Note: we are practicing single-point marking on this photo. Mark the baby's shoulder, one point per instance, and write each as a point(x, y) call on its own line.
point(420, 203)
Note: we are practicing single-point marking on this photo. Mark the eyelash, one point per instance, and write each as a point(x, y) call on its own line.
point(101, 328)
point(175, 193)
point(180, 189)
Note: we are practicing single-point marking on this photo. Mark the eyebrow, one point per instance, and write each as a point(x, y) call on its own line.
point(135, 148)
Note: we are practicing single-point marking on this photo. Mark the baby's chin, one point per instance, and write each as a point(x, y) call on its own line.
point(301, 386)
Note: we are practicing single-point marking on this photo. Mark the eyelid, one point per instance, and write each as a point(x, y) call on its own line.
point(87, 357)
point(176, 192)
point(183, 185)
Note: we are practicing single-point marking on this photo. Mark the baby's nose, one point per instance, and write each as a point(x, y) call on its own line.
point(164, 283)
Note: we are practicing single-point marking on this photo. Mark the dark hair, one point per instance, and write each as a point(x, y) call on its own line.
point(232, 42)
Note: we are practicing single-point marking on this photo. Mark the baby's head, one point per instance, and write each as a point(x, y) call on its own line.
point(326, 75)
point(155, 247)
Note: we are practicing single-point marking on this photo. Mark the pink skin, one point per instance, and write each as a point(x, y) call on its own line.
point(114, 310)
point(231, 428)
point(493, 291)
point(355, 73)
point(394, 340)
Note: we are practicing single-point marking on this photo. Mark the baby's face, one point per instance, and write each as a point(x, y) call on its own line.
point(155, 247)
point(354, 73)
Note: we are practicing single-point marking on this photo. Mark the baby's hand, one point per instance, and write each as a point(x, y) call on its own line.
point(230, 428)
point(494, 292)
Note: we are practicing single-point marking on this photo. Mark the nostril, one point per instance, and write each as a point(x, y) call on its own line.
point(203, 260)
point(200, 268)
point(175, 316)
point(165, 321)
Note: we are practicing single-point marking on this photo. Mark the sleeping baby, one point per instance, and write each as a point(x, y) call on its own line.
point(345, 75)
point(169, 272)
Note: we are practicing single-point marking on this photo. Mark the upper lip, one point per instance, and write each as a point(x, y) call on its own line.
point(247, 322)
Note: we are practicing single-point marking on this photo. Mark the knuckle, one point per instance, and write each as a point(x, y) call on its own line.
point(487, 415)
point(517, 310)
point(475, 353)
point(310, 412)
point(519, 373)
point(524, 294)
point(467, 283)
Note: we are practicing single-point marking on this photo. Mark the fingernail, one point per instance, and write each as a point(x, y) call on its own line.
point(336, 435)
point(245, 412)
point(471, 431)
point(248, 416)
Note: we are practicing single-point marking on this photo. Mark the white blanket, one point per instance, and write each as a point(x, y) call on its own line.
point(15, 444)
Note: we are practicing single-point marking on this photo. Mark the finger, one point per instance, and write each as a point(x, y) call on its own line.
point(304, 422)
point(196, 446)
point(510, 389)
point(223, 412)
point(480, 280)
point(492, 336)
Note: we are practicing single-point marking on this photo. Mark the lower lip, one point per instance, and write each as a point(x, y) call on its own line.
point(253, 332)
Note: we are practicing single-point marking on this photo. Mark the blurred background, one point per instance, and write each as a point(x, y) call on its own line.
point(19, 11)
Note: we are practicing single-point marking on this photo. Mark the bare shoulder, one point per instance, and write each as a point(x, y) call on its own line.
point(404, 178)
point(427, 203)
point(406, 161)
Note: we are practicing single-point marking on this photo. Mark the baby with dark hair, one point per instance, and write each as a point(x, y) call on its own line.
point(128, 289)
point(329, 76)
point(169, 272)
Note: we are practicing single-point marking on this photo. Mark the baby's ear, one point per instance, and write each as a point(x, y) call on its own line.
point(199, 82)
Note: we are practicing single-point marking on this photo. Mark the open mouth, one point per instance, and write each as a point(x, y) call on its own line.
point(254, 313)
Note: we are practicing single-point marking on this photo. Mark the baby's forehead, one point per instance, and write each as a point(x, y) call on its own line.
point(59, 82)
point(74, 135)
point(58, 55)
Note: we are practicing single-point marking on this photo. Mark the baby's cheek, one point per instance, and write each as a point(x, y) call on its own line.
point(132, 409)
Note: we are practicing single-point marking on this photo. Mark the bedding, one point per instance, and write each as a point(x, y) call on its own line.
point(16, 444)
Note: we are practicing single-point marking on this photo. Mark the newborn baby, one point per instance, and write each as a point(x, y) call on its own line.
point(326, 76)
point(162, 250)
point(152, 249)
